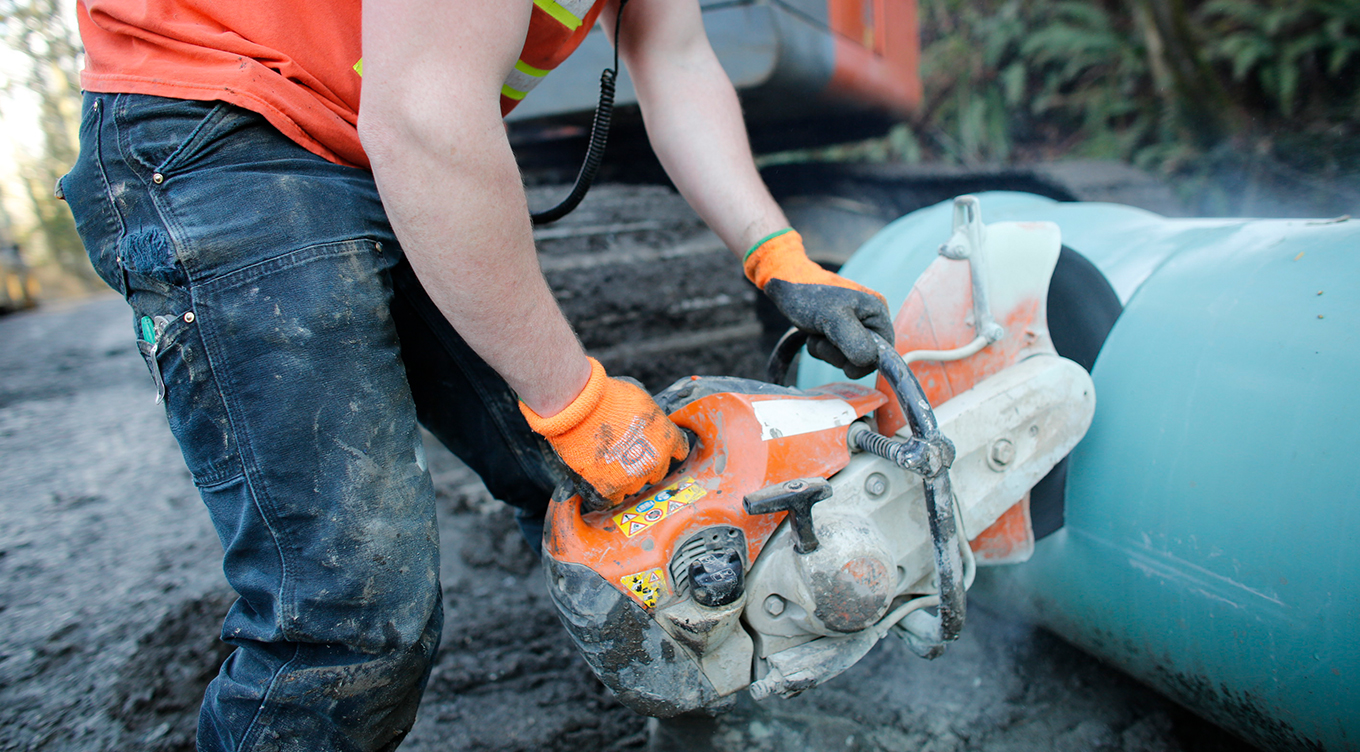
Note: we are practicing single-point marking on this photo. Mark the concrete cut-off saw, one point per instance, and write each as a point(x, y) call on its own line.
point(807, 525)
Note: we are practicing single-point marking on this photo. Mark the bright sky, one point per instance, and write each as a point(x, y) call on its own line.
point(18, 120)
point(19, 124)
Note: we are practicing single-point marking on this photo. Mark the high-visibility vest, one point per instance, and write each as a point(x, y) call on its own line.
point(556, 29)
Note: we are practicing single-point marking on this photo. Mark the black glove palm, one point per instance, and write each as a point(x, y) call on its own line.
point(837, 314)
point(838, 321)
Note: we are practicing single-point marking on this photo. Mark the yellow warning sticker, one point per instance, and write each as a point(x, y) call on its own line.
point(648, 587)
point(659, 506)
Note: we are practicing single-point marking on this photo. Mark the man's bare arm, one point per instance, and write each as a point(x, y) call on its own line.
point(693, 118)
point(694, 122)
point(430, 122)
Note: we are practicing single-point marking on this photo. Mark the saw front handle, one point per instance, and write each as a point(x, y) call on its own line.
point(927, 636)
point(926, 453)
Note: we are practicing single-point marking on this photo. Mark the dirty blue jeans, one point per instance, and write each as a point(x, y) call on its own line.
point(296, 352)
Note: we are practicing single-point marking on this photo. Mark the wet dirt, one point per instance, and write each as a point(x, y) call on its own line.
point(111, 596)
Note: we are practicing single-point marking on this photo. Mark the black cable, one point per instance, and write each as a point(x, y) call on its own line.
point(781, 357)
point(599, 136)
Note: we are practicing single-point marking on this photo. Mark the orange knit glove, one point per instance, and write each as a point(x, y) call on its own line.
point(836, 313)
point(614, 437)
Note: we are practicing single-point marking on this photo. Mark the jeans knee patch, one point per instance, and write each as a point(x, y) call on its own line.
point(318, 696)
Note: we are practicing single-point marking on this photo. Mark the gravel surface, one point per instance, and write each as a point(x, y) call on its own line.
point(111, 595)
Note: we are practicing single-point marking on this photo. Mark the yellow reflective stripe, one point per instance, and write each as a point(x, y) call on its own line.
point(359, 67)
point(578, 8)
point(560, 13)
point(527, 69)
point(522, 80)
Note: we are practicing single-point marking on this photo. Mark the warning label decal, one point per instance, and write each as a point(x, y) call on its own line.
point(648, 587)
point(658, 506)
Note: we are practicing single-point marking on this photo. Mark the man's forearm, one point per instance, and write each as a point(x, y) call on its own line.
point(453, 193)
point(694, 121)
point(473, 251)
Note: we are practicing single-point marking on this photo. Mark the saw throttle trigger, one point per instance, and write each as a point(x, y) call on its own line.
point(795, 497)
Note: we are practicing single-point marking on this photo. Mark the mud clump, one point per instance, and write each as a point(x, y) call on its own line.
point(158, 693)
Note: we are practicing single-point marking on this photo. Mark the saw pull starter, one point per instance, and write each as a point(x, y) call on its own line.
point(808, 524)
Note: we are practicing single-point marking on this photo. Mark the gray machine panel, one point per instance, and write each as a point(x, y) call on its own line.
point(762, 46)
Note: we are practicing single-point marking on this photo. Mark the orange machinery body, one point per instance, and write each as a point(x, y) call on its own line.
point(877, 53)
point(632, 546)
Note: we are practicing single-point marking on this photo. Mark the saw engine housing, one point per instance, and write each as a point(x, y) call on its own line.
point(807, 524)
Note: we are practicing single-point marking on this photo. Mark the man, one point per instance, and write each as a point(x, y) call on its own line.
point(297, 326)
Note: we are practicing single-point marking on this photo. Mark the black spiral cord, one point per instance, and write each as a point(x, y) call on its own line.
point(599, 136)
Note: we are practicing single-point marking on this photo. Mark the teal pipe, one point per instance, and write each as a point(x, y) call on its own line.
point(1212, 539)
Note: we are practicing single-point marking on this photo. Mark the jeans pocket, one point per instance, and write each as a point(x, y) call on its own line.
point(161, 137)
point(168, 338)
point(194, 406)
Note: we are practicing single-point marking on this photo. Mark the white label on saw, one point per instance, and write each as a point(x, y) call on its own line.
point(789, 417)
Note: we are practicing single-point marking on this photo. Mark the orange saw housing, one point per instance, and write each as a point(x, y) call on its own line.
point(745, 443)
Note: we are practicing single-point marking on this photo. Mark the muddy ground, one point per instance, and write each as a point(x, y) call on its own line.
point(111, 593)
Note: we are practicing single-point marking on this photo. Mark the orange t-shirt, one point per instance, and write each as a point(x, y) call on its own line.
point(291, 62)
point(295, 63)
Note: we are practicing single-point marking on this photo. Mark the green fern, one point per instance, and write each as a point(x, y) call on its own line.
point(1292, 56)
point(1005, 79)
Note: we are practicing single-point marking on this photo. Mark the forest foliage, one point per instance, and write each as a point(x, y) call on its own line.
point(1179, 86)
point(48, 78)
